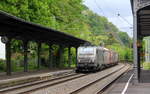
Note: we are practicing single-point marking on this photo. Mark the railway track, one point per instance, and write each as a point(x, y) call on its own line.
point(70, 84)
point(29, 87)
point(80, 84)
point(98, 85)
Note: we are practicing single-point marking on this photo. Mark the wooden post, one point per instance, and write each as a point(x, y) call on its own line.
point(8, 57)
point(50, 57)
point(69, 56)
point(38, 55)
point(25, 46)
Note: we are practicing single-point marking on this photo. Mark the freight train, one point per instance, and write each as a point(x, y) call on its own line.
point(93, 58)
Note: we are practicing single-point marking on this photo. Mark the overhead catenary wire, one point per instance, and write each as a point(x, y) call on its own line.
point(114, 34)
point(130, 27)
point(118, 38)
point(112, 11)
point(99, 7)
point(124, 19)
point(118, 15)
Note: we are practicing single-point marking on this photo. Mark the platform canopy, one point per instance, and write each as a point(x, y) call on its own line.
point(17, 28)
point(144, 21)
point(141, 8)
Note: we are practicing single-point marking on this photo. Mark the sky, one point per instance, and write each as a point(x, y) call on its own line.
point(111, 9)
point(2, 50)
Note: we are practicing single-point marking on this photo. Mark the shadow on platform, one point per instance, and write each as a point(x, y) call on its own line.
point(145, 76)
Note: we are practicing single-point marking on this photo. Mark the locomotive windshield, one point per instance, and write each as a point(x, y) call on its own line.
point(86, 51)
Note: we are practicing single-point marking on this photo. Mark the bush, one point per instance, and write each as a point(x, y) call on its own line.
point(2, 65)
point(146, 65)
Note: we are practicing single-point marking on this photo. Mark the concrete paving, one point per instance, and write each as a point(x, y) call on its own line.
point(14, 75)
point(141, 88)
point(21, 77)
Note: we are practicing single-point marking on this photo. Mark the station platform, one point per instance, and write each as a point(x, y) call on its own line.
point(25, 77)
point(125, 84)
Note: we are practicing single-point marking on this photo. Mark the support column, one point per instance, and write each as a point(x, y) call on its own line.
point(138, 63)
point(135, 49)
point(8, 57)
point(146, 50)
point(39, 55)
point(25, 46)
point(60, 56)
point(76, 55)
point(50, 56)
point(69, 56)
point(139, 56)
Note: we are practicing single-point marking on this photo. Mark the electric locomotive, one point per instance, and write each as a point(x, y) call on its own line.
point(93, 58)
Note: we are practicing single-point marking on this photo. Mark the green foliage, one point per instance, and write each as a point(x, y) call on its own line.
point(69, 16)
point(2, 65)
point(125, 38)
point(146, 65)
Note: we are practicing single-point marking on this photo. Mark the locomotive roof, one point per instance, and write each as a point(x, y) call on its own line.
point(98, 47)
point(105, 49)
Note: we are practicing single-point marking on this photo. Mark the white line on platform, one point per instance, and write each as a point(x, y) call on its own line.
point(127, 84)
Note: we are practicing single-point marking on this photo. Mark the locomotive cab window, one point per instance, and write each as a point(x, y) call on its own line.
point(86, 51)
